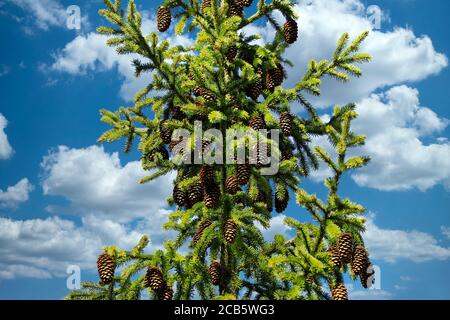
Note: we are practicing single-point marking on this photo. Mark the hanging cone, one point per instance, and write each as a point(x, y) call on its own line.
point(106, 267)
point(195, 194)
point(179, 197)
point(236, 9)
point(214, 273)
point(167, 293)
point(243, 173)
point(206, 4)
point(254, 91)
point(207, 176)
point(165, 133)
point(201, 228)
point(257, 122)
point(230, 231)
point(201, 92)
point(281, 205)
point(367, 276)
point(245, 3)
point(286, 153)
point(232, 185)
point(286, 123)
point(211, 196)
point(154, 279)
point(334, 256)
point(177, 113)
point(274, 77)
point(232, 53)
point(360, 260)
point(340, 292)
point(290, 31)
point(345, 247)
point(164, 19)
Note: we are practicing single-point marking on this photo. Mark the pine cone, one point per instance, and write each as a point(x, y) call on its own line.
point(286, 123)
point(281, 204)
point(345, 247)
point(232, 53)
point(229, 231)
point(274, 77)
point(211, 196)
point(106, 267)
point(287, 153)
point(290, 31)
point(207, 176)
point(201, 228)
point(155, 279)
point(201, 92)
point(214, 273)
point(257, 123)
point(367, 276)
point(164, 19)
point(195, 194)
point(236, 9)
point(340, 292)
point(334, 256)
point(177, 113)
point(232, 185)
point(179, 197)
point(360, 260)
point(165, 133)
point(206, 4)
point(167, 293)
point(243, 173)
point(245, 3)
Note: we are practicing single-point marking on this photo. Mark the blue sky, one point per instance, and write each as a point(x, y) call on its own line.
point(64, 196)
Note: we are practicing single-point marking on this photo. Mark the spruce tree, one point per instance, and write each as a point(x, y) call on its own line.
point(226, 81)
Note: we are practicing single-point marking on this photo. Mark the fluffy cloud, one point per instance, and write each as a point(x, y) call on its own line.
point(15, 195)
point(96, 183)
point(392, 245)
point(43, 14)
point(389, 67)
point(446, 231)
point(5, 148)
point(90, 53)
point(277, 226)
point(45, 248)
point(400, 158)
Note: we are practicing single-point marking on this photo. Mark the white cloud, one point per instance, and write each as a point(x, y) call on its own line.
point(446, 231)
point(277, 226)
point(15, 195)
point(370, 295)
point(392, 245)
point(39, 248)
point(44, 14)
point(317, 40)
point(4, 70)
point(5, 148)
point(88, 53)
point(401, 160)
point(96, 183)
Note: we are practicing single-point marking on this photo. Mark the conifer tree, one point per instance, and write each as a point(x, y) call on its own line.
point(226, 81)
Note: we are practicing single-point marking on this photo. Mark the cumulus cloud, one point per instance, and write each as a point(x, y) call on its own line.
point(396, 126)
point(89, 53)
point(5, 148)
point(392, 245)
point(389, 67)
point(277, 226)
point(15, 195)
point(96, 183)
point(38, 248)
point(446, 231)
point(44, 14)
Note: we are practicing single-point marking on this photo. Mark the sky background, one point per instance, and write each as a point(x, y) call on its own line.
point(63, 196)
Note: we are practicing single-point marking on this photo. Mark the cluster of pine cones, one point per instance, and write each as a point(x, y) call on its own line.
point(344, 252)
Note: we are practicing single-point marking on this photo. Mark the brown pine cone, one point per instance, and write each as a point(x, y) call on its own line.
point(230, 231)
point(106, 267)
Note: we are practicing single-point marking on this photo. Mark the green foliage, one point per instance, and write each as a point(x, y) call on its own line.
point(252, 267)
